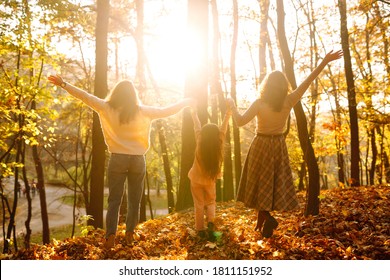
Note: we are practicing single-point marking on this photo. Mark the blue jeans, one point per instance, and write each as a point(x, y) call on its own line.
point(120, 168)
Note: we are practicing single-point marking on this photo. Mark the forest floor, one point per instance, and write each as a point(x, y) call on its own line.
point(354, 223)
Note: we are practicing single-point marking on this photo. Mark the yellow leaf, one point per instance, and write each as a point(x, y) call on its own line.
point(348, 251)
point(261, 243)
point(211, 245)
point(320, 250)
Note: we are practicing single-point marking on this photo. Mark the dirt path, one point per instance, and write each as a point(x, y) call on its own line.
point(59, 213)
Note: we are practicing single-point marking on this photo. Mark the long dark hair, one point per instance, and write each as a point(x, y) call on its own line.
point(210, 150)
point(124, 99)
point(273, 90)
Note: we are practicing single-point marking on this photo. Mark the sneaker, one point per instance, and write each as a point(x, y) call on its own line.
point(269, 226)
point(110, 242)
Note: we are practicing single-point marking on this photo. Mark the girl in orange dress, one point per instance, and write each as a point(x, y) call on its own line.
point(205, 170)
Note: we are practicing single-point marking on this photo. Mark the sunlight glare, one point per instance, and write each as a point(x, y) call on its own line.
point(175, 52)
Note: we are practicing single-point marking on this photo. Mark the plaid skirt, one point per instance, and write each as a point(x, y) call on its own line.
point(266, 182)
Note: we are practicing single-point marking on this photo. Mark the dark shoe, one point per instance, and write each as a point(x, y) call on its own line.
point(110, 242)
point(269, 226)
point(260, 221)
point(210, 229)
point(202, 234)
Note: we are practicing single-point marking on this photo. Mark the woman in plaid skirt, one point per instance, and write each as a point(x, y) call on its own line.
point(266, 182)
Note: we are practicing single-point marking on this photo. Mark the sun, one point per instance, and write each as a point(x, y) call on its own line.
point(175, 52)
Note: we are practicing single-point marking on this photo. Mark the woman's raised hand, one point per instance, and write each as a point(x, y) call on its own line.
point(330, 56)
point(55, 80)
point(230, 103)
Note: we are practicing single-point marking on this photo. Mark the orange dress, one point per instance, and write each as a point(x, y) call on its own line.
point(202, 187)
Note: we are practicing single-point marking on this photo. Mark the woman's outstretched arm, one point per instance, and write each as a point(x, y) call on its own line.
point(195, 119)
point(248, 115)
point(301, 89)
point(226, 118)
point(163, 112)
point(89, 99)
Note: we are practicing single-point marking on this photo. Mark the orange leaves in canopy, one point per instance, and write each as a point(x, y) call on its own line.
point(339, 130)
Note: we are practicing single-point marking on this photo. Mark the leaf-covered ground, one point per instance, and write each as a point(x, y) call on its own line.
point(353, 224)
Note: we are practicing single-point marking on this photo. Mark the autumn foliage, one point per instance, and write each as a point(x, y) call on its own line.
point(354, 223)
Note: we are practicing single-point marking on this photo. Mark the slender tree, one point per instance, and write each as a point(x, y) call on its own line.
point(27, 236)
point(216, 88)
point(313, 190)
point(233, 93)
point(353, 117)
point(196, 86)
point(309, 13)
point(101, 88)
point(139, 40)
point(264, 7)
point(339, 139)
point(167, 166)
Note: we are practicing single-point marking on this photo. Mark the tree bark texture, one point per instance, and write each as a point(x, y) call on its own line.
point(233, 94)
point(353, 117)
point(98, 144)
point(196, 86)
point(167, 166)
point(313, 190)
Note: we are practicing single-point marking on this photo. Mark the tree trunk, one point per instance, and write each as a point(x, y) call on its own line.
point(5, 207)
point(216, 88)
point(313, 190)
point(380, 167)
point(167, 166)
point(42, 195)
point(302, 176)
point(196, 86)
point(17, 190)
point(27, 237)
point(387, 167)
point(139, 39)
point(41, 188)
point(23, 152)
point(75, 184)
point(228, 185)
point(374, 156)
point(86, 161)
point(98, 144)
point(386, 46)
point(140, 74)
point(264, 7)
point(313, 87)
point(184, 196)
point(368, 85)
point(353, 117)
point(338, 142)
point(233, 93)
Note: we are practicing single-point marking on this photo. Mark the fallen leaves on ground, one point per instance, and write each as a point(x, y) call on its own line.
point(353, 223)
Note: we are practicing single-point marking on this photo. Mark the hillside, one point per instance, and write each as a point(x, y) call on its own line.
point(353, 224)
